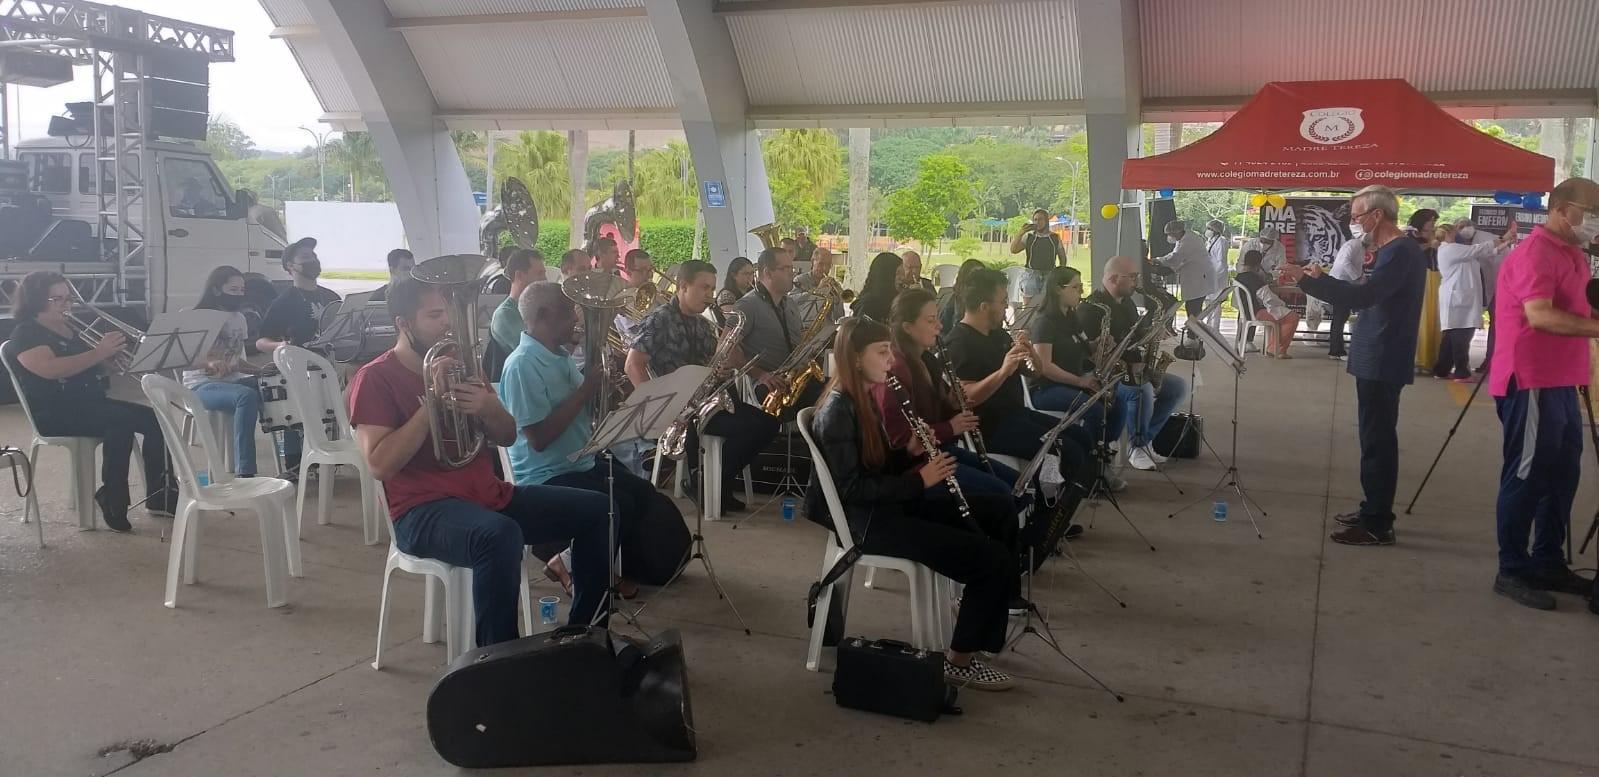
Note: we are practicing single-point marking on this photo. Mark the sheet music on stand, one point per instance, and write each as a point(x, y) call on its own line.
point(648, 411)
point(178, 340)
point(1206, 334)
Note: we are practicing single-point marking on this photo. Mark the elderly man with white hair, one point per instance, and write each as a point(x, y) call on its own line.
point(1381, 354)
point(1149, 405)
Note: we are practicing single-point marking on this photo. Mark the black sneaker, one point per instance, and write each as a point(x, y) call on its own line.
point(1520, 592)
point(115, 515)
point(1073, 531)
point(1360, 535)
point(977, 676)
point(1561, 580)
point(1019, 606)
point(1348, 519)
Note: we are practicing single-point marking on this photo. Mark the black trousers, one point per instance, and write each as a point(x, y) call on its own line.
point(1018, 434)
point(745, 432)
point(1454, 353)
point(1489, 356)
point(1335, 334)
point(935, 535)
point(1194, 306)
point(1377, 410)
point(115, 423)
point(632, 495)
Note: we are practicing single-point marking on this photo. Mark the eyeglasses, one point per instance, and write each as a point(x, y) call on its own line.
point(1359, 216)
point(57, 300)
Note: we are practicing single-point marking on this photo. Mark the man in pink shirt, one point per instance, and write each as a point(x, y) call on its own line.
point(1541, 308)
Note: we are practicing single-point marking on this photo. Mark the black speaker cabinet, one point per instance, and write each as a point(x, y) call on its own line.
point(571, 696)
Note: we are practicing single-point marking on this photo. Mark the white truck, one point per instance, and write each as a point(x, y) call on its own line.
point(196, 222)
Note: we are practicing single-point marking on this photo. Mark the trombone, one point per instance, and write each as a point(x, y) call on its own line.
point(92, 330)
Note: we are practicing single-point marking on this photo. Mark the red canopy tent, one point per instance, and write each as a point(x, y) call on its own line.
point(1343, 135)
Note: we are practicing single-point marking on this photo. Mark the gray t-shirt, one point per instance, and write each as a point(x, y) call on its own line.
point(228, 349)
point(769, 335)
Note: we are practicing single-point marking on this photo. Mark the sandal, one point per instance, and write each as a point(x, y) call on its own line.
point(555, 572)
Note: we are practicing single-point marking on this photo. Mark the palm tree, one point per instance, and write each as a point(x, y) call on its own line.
point(539, 159)
point(360, 159)
point(666, 185)
point(814, 153)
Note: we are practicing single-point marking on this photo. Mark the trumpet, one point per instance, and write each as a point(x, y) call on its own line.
point(100, 323)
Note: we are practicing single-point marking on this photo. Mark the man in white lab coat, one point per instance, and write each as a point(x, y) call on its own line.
point(1349, 264)
point(1272, 254)
point(1216, 245)
point(1192, 263)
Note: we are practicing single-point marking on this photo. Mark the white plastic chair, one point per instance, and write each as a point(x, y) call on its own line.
point(267, 497)
point(455, 605)
point(1013, 282)
point(80, 450)
point(312, 392)
point(926, 621)
point(12, 458)
point(944, 275)
point(1244, 303)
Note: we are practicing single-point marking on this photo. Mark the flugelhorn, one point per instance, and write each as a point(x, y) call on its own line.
point(94, 329)
point(457, 436)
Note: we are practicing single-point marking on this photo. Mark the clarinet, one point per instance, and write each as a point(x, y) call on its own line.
point(925, 435)
point(964, 403)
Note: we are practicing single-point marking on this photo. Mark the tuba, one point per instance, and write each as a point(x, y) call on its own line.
point(600, 295)
point(711, 396)
point(457, 436)
point(517, 215)
point(768, 235)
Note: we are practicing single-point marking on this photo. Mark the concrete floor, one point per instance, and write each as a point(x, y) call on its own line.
point(1238, 656)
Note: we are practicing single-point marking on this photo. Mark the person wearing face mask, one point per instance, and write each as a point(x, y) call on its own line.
point(297, 312)
point(1541, 307)
point(1423, 228)
point(1192, 262)
point(1460, 295)
point(1216, 245)
point(1349, 266)
point(222, 382)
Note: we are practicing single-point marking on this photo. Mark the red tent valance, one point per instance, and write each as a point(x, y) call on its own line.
point(1342, 135)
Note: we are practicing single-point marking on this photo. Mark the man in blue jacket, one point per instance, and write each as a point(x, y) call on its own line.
point(1381, 354)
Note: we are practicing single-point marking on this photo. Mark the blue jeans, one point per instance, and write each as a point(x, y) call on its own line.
point(244, 400)
point(1538, 482)
point(465, 534)
point(1062, 398)
point(1148, 409)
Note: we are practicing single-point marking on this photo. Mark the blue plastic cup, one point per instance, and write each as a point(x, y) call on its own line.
point(789, 503)
point(547, 609)
point(1219, 512)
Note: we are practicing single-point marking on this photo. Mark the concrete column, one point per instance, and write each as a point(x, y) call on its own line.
point(424, 171)
point(860, 203)
point(1112, 139)
point(577, 161)
point(1590, 166)
point(709, 90)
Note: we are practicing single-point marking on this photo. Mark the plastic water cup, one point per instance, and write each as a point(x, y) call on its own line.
point(1218, 513)
point(203, 477)
point(547, 609)
point(789, 503)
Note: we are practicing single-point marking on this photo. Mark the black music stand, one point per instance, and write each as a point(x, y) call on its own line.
point(1229, 477)
point(176, 341)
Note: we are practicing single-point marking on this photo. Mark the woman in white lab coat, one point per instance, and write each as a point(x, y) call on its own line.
point(1460, 295)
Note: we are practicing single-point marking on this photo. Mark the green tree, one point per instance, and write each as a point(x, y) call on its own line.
point(606, 167)
point(666, 185)
point(792, 205)
point(539, 160)
point(895, 157)
point(226, 141)
point(356, 154)
point(943, 194)
point(912, 218)
point(812, 157)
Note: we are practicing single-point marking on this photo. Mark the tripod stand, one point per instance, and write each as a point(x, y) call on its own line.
point(1047, 636)
point(1451, 436)
point(1229, 477)
point(698, 551)
point(1101, 488)
point(608, 603)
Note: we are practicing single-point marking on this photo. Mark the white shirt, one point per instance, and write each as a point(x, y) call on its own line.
point(1460, 295)
point(1217, 246)
point(1272, 254)
point(1350, 262)
point(1192, 263)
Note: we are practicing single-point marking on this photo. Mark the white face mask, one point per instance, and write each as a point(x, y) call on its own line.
point(1588, 229)
point(1356, 231)
point(1466, 233)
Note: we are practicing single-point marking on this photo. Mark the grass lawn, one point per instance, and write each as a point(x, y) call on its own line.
point(357, 275)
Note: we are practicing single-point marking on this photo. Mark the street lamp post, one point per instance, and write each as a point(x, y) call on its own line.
point(321, 160)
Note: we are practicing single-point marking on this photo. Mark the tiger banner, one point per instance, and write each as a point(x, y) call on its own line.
point(1309, 227)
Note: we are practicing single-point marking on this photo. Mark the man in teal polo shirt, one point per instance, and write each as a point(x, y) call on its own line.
point(548, 396)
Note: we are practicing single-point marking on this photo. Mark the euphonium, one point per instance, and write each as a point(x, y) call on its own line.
point(768, 235)
point(600, 294)
point(457, 435)
point(711, 395)
point(801, 366)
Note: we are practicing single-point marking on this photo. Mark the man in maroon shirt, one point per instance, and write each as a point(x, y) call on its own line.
point(468, 516)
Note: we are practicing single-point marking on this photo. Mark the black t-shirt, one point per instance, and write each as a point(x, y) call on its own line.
point(296, 314)
point(975, 356)
point(500, 283)
point(1124, 316)
point(1041, 250)
point(1068, 346)
point(1252, 280)
point(46, 396)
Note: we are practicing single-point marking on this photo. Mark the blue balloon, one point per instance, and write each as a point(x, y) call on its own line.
point(1165, 192)
point(1533, 201)
point(1504, 198)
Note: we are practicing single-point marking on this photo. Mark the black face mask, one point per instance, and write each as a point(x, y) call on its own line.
point(311, 269)
point(230, 302)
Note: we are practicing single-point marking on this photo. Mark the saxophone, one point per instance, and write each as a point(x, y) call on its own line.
point(924, 434)
point(710, 396)
point(802, 365)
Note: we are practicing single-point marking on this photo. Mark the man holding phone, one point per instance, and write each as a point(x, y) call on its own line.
point(1043, 249)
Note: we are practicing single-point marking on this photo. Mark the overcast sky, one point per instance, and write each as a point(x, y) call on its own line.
point(264, 90)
